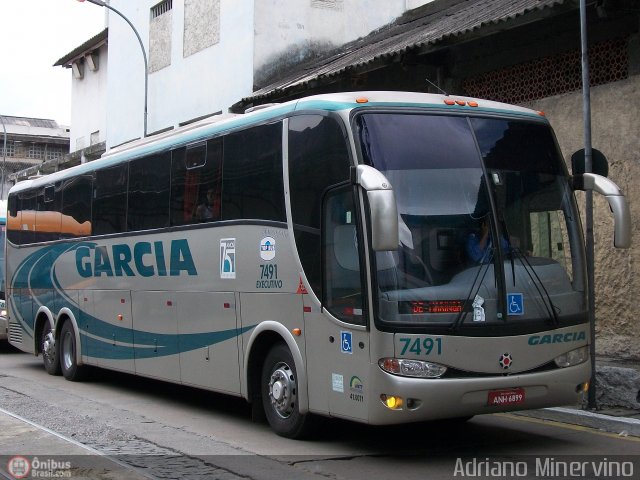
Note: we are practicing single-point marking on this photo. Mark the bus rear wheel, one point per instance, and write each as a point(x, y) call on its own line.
point(279, 384)
point(68, 354)
point(49, 350)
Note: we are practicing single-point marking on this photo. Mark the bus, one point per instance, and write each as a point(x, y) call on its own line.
point(332, 275)
point(4, 325)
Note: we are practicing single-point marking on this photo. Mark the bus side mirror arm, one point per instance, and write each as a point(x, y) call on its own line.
point(382, 207)
point(617, 203)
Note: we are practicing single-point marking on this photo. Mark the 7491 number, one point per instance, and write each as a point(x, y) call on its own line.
point(421, 346)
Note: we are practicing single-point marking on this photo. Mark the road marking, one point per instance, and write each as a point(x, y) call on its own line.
point(76, 443)
point(579, 428)
point(51, 432)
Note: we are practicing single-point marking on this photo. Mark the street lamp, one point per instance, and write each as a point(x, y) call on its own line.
point(144, 54)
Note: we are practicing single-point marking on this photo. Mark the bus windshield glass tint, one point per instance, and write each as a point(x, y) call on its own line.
point(489, 231)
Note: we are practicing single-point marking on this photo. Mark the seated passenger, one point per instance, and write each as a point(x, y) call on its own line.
point(209, 209)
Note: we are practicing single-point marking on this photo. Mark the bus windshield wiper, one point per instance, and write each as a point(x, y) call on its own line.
point(538, 283)
point(475, 288)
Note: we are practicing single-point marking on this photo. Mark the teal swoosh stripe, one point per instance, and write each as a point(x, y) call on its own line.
point(99, 339)
point(151, 345)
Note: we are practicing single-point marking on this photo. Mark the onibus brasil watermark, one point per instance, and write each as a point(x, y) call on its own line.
point(23, 467)
point(546, 467)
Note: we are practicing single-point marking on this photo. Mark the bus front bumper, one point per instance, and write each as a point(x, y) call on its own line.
point(433, 399)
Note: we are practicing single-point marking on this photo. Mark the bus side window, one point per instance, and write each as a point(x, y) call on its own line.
point(148, 202)
point(13, 219)
point(342, 275)
point(196, 172)
point(252, 184)
point(318, 159)
point(28, 206)
point(76, 206)
point(110, 200)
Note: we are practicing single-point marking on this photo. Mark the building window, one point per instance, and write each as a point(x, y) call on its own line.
point(160, 36)
point(36, 151)
point(161, 8)
point(53, 153)
point(11, 149)
point(201, 25)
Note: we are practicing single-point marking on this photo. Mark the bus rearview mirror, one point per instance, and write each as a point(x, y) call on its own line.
point(617, 203)
point(382, 208)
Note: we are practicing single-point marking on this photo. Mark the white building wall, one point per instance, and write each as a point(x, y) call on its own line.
point(204, 82)
point(251, 40)
point(89, 104)
point(288, 31)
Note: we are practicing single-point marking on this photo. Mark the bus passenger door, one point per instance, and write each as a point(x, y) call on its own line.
point(347, 357)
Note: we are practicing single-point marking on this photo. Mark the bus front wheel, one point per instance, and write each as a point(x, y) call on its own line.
point(279, 383)
point(49, 351)
point(68, 359)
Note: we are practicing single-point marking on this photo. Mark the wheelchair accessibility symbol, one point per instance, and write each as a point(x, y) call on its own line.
point(515, 304)
point(345, 342)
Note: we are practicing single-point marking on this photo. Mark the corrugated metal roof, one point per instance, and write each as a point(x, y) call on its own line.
point(30, 122)
point(418, 29)
point(90, 45)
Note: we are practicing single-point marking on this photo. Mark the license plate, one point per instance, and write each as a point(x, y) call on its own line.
point(501, 398)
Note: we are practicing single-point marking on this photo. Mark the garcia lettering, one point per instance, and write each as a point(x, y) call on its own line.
point(146, 259)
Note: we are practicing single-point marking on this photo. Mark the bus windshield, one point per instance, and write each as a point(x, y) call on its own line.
point(489, 232)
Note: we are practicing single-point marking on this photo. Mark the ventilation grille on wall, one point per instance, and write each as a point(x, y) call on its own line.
point(328, 4)
point(553, 75)
point(161, 8)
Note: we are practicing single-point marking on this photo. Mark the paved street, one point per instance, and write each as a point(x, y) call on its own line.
point(163, 431)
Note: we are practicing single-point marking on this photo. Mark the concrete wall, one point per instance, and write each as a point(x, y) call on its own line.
point(615, 132)
point(89, 104)
point(188, 83)
point(290, 31)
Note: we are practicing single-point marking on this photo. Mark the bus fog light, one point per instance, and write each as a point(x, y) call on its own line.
point(411, 368)
point(574, 357)
point(392, 402)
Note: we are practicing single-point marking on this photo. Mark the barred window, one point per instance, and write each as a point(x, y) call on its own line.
point(53, 153)
point(36, 151)
point(552, 75)
point(161, 8)
point(10, 150)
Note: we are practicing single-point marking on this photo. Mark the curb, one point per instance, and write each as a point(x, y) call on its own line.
point(621, 425)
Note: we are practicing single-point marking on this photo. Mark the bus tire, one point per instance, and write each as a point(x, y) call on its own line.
point(279, 385)
point(67, 351)
point(49, 349)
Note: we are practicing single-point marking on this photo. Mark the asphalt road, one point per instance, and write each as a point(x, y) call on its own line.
point(157, 430)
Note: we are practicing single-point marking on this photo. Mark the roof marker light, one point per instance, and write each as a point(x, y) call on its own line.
point(462, 103)
point(362, 100)
point(472, 104)
point(449, 101)
point(541, 113)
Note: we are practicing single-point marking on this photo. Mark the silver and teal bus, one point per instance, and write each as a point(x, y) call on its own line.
point(380, 257)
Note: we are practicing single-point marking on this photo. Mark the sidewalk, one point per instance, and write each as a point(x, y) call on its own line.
point(617, 400)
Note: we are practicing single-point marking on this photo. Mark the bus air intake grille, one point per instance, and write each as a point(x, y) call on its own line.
point(455, 373)
point(15, 333)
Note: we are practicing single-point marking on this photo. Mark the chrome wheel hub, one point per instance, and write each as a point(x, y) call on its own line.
point(67, 351)
point(283, 390)
point(49, 347)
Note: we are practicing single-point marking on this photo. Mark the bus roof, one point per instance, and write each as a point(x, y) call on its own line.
point(220, 124)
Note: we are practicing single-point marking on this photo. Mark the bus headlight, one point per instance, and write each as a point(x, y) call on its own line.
point(411, 368)
point(574, 357)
